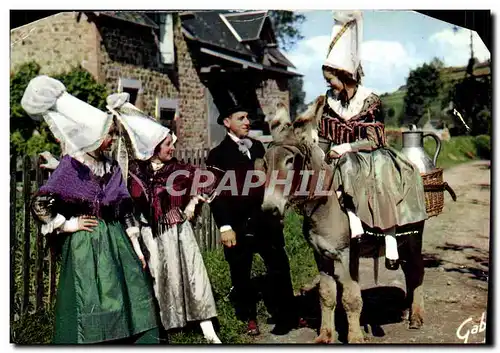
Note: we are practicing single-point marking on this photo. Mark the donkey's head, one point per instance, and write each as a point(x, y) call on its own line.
point(292, 155)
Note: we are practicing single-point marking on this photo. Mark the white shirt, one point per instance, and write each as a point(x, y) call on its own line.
point(237, 139)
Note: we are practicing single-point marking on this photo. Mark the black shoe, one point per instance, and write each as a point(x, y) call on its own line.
point(284, 327)
point(391, 264)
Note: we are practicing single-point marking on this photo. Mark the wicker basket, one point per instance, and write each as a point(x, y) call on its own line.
point(434, 191)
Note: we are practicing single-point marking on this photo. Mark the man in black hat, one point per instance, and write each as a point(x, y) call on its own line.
point(245, 229)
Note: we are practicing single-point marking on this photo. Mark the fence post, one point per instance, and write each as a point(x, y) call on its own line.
point(39, 243)
point(13, 235)
point(27, 232)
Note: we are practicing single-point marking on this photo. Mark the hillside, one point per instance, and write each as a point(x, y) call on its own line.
point(449, 75)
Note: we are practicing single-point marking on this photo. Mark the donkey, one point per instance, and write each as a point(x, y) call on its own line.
point(326, 227)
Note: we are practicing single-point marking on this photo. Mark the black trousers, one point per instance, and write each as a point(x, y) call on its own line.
point(268, 242)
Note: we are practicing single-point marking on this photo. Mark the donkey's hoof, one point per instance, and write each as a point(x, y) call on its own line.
point(325, 337)
point(354, 338)
point(416, 321)
point(392, 265)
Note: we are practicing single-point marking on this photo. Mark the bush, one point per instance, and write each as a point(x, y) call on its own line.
point(32, 137)
point(483, 146)
point(36, 328)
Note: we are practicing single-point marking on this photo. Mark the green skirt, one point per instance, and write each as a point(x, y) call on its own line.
point(386, 188)
point(103, 292)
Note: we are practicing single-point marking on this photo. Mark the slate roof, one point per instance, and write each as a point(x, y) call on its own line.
point(138, 18)
point(208, 27)
point(280, 58)
point(248, 25)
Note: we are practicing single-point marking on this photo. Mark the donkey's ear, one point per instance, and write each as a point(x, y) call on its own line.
point(306, 125)
point(279, 123)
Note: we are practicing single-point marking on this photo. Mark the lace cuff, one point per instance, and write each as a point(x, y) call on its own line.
point(53, 224)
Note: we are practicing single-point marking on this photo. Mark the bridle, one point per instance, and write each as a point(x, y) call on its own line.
point(304, 152)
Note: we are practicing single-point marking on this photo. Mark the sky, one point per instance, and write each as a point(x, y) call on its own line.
point(394, 43)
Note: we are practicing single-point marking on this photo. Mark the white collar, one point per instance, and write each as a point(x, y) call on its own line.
point(233, 137)
point(354, 106)
point(99, 168)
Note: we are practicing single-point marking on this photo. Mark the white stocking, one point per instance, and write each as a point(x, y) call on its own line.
point(391, 244)
point(209, 332)
point(354, 222)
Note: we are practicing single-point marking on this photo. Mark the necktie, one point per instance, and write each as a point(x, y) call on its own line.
point(244, 145)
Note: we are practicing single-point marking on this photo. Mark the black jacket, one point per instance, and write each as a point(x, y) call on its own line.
point(235, 210)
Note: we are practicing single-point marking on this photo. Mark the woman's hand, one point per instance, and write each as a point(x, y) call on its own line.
point(51, 161)
point(191, 207)
point(74, 224)
point(338, 151)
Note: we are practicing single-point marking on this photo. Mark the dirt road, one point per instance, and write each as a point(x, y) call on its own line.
point(456, 254)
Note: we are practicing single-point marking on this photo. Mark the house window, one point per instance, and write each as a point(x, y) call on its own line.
point(131, 86)
point(166, 110)
point(167, 118)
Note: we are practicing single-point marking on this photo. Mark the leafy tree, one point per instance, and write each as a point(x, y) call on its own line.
point(472, 97)
point(28, 136)
point(286, 25)
point(391, 112)
point(423, 86)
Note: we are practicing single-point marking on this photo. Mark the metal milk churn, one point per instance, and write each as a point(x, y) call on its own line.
point(413, 149)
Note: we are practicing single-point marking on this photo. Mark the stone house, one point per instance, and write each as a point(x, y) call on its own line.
point(181, 65)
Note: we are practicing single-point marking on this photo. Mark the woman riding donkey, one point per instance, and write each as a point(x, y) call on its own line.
point(377, 185)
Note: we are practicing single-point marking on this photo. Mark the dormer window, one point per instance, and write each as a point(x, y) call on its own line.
point(166, 40)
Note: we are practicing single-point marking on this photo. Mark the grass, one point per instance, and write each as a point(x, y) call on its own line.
point(37, 328)
point(302, 268)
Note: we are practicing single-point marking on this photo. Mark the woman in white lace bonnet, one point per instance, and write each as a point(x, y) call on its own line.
point(379, 186)
point(104, 294)
point(179, 300)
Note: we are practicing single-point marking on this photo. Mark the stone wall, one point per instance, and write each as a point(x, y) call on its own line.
point(57, 43)
point(193, 102)
point(131, 52)
point(273, 92)
point(109, 49)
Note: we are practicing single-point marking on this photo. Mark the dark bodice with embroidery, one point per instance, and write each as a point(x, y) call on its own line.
point(367, 125)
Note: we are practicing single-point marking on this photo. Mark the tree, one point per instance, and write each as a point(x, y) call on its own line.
point(423, 86)
point(286, 25)
point(28, 136)
point(391, 112)
point(472, 97)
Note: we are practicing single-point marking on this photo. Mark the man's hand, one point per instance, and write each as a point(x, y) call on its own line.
point(228, 238)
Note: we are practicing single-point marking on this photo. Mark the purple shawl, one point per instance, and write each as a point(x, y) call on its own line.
point(73, 181)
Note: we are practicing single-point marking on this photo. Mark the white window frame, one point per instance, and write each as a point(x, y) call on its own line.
point(167, 103)
point(124, 82)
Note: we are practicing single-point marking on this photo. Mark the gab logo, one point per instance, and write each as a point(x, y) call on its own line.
point(466, 329)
